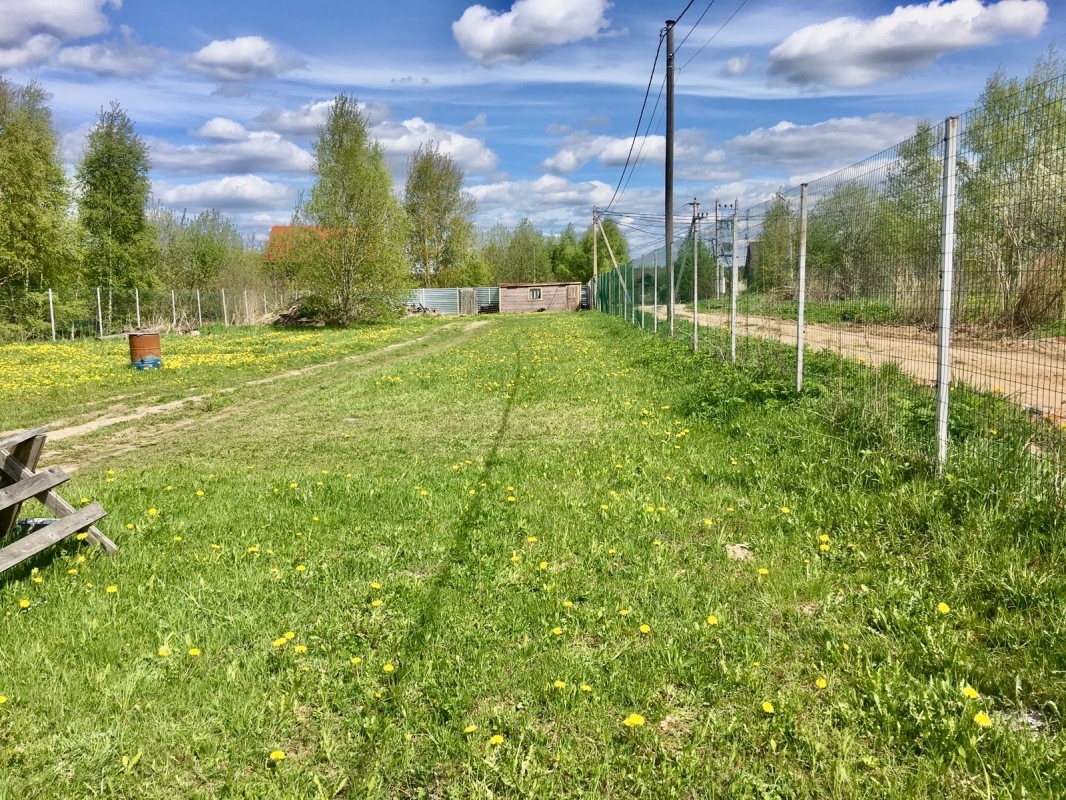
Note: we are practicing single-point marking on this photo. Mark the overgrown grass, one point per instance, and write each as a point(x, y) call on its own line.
point(496, 522)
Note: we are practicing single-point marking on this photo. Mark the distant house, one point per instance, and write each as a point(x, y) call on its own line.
point(516, 298)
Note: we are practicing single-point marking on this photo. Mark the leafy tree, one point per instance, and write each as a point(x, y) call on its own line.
point(684, 263)
point(528, 256)
point(38, 245)
point(194, 253)
point(841, 243)
point(771, 265)
point(568, 260)
point(353, 230)
point(113, 203)
point(1011, 223)
point(619, 246)
point(442, 230)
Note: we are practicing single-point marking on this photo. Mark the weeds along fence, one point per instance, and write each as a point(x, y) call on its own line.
point(933, 274)
point(68, 313)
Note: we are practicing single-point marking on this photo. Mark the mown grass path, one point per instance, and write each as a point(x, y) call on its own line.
point(461, 571)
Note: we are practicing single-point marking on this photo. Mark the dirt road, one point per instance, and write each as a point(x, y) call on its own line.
point(1032, 372)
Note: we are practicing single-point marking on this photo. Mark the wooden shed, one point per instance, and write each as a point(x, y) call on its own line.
point(518, 297)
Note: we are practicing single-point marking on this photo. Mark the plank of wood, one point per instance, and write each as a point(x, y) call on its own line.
point(14, 469)
point(31, 487)
point(18, 438)
point(26, 452)
point(49, 535)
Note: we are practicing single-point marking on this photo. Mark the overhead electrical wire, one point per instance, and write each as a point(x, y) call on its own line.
point(640, 118)
point(679, 16)
point(704, 47)
point(693, 28)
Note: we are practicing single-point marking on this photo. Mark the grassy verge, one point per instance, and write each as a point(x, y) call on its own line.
point(503, 569)
point(41, 381)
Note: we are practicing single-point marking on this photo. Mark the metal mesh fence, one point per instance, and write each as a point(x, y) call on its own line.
point(72, 312)
point(839, 282)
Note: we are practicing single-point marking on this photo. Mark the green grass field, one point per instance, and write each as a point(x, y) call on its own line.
point(493, 563)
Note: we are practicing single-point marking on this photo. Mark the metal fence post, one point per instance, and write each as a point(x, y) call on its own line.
point(801, 289)
point(695, 279)
point(137, 304)
point(655, 295)
point(52, 314)
point(99, 313)
point(225, 313)
point(199, 312)
point(173, 308)
point(734, 279)
point(947, 270)
point(643, 294)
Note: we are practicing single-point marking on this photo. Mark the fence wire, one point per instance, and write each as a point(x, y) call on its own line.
point(866, 277)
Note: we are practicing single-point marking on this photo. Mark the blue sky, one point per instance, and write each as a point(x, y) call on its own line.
point(537, 100)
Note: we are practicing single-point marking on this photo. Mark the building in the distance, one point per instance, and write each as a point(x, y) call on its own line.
point(519, 297)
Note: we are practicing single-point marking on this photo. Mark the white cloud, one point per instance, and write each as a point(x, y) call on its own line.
point(492, 37)
point(304, 121)
point(241, 192)
point(695, 158)
point(242, 59)
point(223, 130)
point(852, 52)
point(737, 65)
point(124, 58)
point(31, 31)
point(822, 146)
point(477, 123)
point(259, 151)
point(35, 50)
point(550, 201)
point(21, 20)
point(401, 139)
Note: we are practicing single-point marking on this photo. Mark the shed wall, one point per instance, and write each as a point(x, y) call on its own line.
point(515, 299)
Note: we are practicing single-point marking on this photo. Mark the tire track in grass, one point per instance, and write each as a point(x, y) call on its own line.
point(459, 553)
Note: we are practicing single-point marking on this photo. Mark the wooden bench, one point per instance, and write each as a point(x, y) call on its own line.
point(19, 482)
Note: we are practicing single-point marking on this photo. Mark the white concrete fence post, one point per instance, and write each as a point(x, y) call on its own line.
point(947, 274)
point(801, 290)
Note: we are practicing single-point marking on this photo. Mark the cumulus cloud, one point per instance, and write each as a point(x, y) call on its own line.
point(239, 192)
point(823, 145)
point(492, 37)
point(230, 151)
point(401, 139)
point(31, 31)
point(477, 123)
point(245, 58)
point(737, 66)
point(550, 200)
point(304, 121)
point(849, 52)
point(693, 155)
point(123, 58)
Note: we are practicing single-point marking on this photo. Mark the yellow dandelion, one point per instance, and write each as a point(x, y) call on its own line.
point(253, 549)
point(111, 589)
point(300, 648)
point(424, 493)
point(767, 707)
point(821, 683)
point(281, 641)
point(129, 526)
point(824, 548)
point(81, 537)
point(712, 620)
point(763, 571)
point(3, 699)
point(177, 538)
point(543, 565)
point(199, 492)
point(586, 688)
point(633, 721)
point(216, 547)
point(515, 558)
point(970, 693)
point(657, 543)
point(24, 603)
point(163, 652)
point(375, 585)
point(294, 486)
point(289, 635)
point(604, 506)
point(559, 684)
point(943, 607)
point(194, 652)
point(823, 538)
point(388, 668)
point(356, 661)
point(567, 604)
point(301, 568)
point(532, 539)
point(470, 729)
point(495, 739)
point(277, 755)
point(982, 719)
point(786, 510)
point(153, 512)
point(72, 571)
point(376, 603)
point(645, 628)
point(557, 631)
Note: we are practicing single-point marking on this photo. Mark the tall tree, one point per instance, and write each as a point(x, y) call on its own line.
point(528, 258)
point(442, 231)
point(770, 263)
point(37, 242)
point(113, 202)
point(567, 258)
point(619, 246)
point(351, 244)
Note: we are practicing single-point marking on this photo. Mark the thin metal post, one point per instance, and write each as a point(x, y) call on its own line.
point(173, 308)
point(52, 314)
point(225, 312)
point(595, 255)
point(695, 276)
point(801, 290)
point(733, 290)
point(99, 313)
point(137, 305)
point(643, 294)
point(655, 294)
point(670, 167)
point(199, 312)
point(947, 274)
point(265, 312)
point(247, 316)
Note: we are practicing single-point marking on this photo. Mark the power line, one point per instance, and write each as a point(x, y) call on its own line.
point(743, 3)
point(644, 105)
point(690, 2)
point(693, 28)
point(644, 139)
